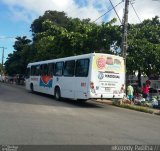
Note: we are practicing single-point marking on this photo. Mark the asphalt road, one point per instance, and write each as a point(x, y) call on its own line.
point(27, 118)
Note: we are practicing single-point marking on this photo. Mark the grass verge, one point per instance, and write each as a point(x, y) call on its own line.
point(136, 108)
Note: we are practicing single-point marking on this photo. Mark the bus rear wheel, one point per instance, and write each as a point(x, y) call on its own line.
point(57, 94)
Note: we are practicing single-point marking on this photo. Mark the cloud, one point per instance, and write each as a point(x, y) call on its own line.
point(18, 14)
point(27, 10)
point(146, 9)
point(38, 7)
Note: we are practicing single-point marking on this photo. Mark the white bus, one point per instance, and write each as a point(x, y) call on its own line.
point(83, 77)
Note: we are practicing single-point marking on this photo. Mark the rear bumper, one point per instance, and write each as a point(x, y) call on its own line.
point(106, 96)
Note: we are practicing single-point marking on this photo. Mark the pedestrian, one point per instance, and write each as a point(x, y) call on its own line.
point(145, 90)
point(130, 91)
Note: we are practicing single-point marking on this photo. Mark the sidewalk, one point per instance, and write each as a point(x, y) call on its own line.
point(110, 102)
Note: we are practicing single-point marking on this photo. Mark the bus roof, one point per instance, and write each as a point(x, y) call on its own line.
point(70, 58)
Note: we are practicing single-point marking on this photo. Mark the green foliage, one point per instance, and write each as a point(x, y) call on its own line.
point(17, 61)
point(20, 43)
point(57, 18)
point(144, 47)
point(136, 108)
point(76, 37)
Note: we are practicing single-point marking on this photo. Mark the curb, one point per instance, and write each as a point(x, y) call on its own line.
point(150, 110)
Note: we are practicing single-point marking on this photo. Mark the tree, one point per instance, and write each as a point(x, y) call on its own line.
point(20, 43)
point(144, 48)
point(16, 62)
point(79, 37)
point(57, 18)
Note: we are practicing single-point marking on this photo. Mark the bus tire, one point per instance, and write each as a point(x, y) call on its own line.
point(31, 87)
point(57, 94)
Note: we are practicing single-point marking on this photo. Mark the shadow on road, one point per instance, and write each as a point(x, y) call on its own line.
point(68, 102)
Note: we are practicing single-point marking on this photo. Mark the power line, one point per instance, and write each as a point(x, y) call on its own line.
point(115, 11)
point(108, 11)
point(10, 37)
point(7, 37)
point(135, 12)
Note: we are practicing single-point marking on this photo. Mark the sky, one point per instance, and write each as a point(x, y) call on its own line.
point(17, 16)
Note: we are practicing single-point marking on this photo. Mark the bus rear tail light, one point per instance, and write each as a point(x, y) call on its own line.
point(91, 85)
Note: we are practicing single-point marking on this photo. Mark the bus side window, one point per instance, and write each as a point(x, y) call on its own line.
point(27, 75)
point(51, 69)
point(58, 69)
point(44, 69)
point(32, 70)
point(69, 68)
point(82, 68)
point(37, 70)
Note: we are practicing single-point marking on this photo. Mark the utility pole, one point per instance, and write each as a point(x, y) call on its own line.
point(125, 28)
point(124, 38)
point(3, 54)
